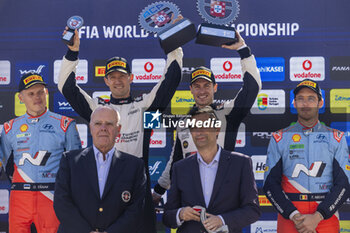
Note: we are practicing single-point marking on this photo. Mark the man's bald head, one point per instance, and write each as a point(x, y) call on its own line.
point(104, 128)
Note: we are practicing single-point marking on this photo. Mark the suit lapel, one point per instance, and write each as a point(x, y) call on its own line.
point(115, 170)
point(224, 164)
point(91, 169)
point(197, 180)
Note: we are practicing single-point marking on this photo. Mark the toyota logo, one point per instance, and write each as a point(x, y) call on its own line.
point(227, 66)
point(307, 65)
point(148, 67)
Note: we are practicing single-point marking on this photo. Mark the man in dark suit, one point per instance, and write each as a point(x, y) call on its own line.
point(219, 180)
point(99, 189)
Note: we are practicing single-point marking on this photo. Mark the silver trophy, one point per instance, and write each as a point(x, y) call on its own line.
point(74, 22)
point(203, 216)
point(156, 18)
point(217, 13)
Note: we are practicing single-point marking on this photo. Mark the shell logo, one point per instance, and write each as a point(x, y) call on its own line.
point(296, 138)
point(23, 128)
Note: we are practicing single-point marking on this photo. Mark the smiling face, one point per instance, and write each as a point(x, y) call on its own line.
point(307, 104)
point(203, 92)
point(34, 98)
point(119, 84)
point(104, 128)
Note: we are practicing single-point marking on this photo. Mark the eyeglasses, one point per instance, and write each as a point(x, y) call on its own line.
point(309, 99)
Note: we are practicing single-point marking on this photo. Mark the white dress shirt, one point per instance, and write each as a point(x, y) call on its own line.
point(207, 173)
point(102, 167)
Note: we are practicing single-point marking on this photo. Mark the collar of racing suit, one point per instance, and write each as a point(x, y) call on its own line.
point(307, 130)
point(213, 105)
point(35, 119)
point(120, 100)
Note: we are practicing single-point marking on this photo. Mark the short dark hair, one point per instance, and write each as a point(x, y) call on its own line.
point(205, 110)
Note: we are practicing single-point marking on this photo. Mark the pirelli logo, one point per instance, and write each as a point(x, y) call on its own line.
point(263, 201)
point(201, 72)
point(308, 83)
point(116, 63)
point(100, 71)
point(32, 78)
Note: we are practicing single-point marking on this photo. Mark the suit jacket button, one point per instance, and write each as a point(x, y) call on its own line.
point(100, 209)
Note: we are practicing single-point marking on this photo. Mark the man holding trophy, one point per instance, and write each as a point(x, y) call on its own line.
point(133, 139)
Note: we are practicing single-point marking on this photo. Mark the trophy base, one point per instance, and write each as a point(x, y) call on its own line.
point(216, 35)
point(177, 35)
point(68, 38)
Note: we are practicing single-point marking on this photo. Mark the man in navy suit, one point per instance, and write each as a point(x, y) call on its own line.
point(219, 180)
point(99, 189)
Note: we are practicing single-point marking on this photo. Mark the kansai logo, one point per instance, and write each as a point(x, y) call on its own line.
point(271, 68)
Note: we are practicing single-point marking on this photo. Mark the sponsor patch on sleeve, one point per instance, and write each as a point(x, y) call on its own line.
point(65, 122)
point(277, 135)
point(8, 126)
point(337, 135)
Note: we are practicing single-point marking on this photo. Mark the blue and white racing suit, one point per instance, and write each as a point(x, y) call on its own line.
point(308, 170)
point(36, 144)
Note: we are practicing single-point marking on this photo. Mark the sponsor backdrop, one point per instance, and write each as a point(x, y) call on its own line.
point(292, 40)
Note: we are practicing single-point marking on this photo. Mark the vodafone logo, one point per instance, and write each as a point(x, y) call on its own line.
point(81, 74)
point(147, 70)
point(4, 201)
point(226, 69)
point(307, 68)
point(240, 140)
point(149, 67)
point(227, 66)
point(5, 72)
point(307, 65)
point(158, 138)
point(83, 133)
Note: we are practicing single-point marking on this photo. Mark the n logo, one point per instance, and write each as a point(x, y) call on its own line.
point(39, 159)
point(315, 170)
